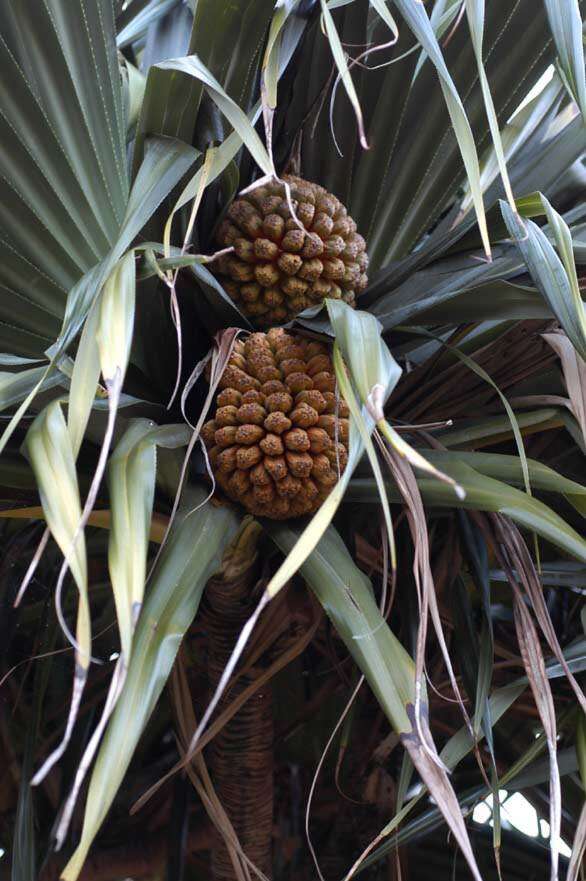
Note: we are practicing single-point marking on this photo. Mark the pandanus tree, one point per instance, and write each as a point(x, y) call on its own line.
point(293, 400)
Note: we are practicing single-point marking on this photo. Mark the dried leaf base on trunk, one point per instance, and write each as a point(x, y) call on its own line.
point(241, 756)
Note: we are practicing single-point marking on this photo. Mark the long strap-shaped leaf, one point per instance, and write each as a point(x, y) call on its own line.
point(134, 23)
point(347, 597)
point(415, 14)
point(380, 372)
point(165, 162)
point(574, 370)
point(48, 447)
point(228, 149)
point(192, 66)
point(565, 22)
point(475, 11)
point(132, 490)
point(131, 478)
point(193, 552)
point(554, 275)
point(510, 470)
point(63, 179)
point(46, 54)
point(460, 745)
point(483, 493)
point(343, 70)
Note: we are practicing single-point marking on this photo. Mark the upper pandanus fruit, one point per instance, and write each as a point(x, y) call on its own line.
point(283, 263)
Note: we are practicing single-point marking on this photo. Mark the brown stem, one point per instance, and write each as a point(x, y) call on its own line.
point(241, 756)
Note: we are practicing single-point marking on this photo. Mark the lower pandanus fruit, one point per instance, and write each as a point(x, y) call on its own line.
point(278, 439)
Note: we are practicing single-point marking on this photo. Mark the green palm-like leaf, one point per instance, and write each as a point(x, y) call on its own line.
point(193, 553)
point(555, 276)
point(346, 595)
point(566, 27)
point(63, 172)
point(484, 493)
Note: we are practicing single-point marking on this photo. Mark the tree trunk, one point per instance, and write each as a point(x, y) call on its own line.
point(241, 756)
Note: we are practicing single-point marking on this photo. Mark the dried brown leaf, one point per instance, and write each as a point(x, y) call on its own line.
point(534, 664)
point(521, 561)
point(578, 848)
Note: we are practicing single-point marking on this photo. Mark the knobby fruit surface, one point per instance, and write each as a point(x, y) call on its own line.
point(279, 265)
point(278, 440)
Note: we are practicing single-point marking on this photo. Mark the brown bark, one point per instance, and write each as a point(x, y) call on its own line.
point(241, 756)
